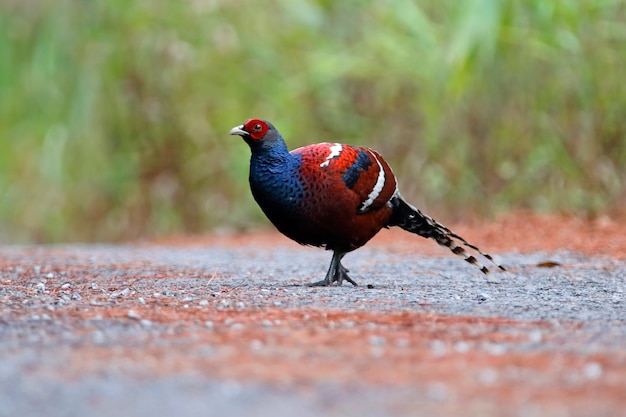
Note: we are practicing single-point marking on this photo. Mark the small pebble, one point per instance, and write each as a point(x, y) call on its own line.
point(141, 301)
point(203, 303)
point(41, 287)
point(535, 336)
point(123, 292)
point(76, 296)
point(132, 314)
point(592, 370)
point(65, 286)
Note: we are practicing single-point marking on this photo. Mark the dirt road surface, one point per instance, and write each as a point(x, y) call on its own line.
point(224, 325)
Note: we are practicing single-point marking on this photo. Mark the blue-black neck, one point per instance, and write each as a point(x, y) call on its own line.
point(270, 152)
point(274, 178)
point(269, 164)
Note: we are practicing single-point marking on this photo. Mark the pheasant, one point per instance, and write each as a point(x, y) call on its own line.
point(335, 196)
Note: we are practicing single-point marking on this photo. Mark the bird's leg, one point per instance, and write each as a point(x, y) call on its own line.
point(336, 273)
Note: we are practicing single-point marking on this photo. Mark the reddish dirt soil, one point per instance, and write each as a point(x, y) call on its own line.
point(354, 362)
point(391, 349)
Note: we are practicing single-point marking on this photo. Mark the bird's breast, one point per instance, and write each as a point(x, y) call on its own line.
point(275, 184)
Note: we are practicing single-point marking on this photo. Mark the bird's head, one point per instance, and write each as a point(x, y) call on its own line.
point(258, 133)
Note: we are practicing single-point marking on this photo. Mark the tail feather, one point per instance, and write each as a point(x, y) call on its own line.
point(411, 219)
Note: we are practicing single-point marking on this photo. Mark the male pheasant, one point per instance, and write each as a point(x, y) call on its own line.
point(334, 196)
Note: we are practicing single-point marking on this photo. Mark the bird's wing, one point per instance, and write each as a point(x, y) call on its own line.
point(358, 170)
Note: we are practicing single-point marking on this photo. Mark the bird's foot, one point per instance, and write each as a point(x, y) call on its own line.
point(350, 280)
point(338, 277)
point(342, 274)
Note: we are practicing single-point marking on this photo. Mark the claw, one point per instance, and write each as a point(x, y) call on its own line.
point(322, 283)
point(336, 273)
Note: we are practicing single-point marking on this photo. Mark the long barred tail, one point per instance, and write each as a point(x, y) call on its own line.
point(411, 219)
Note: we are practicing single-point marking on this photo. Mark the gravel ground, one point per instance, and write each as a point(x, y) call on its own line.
point(142, 330)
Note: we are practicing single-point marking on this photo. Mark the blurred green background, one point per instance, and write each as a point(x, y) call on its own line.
point(114, 115)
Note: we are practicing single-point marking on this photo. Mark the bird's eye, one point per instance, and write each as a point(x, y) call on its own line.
point(257, 128)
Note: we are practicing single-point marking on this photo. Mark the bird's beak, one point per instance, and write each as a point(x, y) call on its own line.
point(238, 130)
